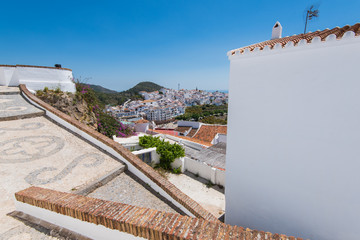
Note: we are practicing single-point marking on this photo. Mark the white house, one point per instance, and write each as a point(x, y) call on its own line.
point(293, 154)
point(37, 77)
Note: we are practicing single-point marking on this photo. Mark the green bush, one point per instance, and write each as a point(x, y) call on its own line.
point(168, 152)
point(177, 170)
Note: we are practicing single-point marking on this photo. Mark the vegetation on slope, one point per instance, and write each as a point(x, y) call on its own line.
point(110, 97)
point(85, 107)
point(210, 114)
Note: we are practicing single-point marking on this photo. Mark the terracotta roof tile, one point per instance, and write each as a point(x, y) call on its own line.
point(192, 132)
point(207, 133)
point(339, 32)
point(141, 121)
point(182, 129)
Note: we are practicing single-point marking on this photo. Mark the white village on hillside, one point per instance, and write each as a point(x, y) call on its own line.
point(284, 167)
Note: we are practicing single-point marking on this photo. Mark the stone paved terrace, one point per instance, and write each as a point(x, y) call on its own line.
point(37, 152)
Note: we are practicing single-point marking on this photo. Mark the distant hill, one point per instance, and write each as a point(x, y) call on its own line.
point(110, 97)
point(98, 88)
point(145, 86)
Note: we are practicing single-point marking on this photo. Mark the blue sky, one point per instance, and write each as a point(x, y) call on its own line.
point(117, 44)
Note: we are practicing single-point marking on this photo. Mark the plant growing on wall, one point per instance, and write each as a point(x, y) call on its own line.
point(168, 152)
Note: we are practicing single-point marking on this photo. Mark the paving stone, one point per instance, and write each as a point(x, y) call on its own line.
point(126, 190)
point(16, 107)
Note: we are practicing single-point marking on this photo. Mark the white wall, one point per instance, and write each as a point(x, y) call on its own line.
point(155, 157)
point(189, 124)
point(214, 175)
point(219, 138)
point(293, 142)
point(6, 74)
point(37, 78)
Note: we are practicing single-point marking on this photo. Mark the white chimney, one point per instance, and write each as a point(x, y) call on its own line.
point(276, 31)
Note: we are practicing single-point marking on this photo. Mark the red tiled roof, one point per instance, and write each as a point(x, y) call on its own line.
point(207, 133)
point(182, 129)
point(141, 121)
point(192, 132)
point(208, 144)
point(339, 32)
point(170, 132)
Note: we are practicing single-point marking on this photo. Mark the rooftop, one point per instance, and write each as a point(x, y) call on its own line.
point(207, 133)
point(308, 37)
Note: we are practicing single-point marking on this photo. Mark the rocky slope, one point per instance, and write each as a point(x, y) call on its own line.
point(69, 104)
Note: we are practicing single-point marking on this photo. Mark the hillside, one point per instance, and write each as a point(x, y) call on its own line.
point(145, 86)
point(110, 97)
point(98, 88)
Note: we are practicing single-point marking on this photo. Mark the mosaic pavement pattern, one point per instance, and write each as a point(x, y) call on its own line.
point(35, 151)
point(14, 106)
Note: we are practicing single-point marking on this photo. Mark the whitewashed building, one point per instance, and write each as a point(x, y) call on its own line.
point(294, 131)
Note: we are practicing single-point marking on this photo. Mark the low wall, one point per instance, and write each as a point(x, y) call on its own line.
point(189, 124)
point(214, 175)
point(155, 158)
point(36, 78)
point(134, 164)
point(101, 219)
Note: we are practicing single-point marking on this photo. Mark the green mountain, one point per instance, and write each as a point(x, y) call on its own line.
point(145, 86)
point(110, 97)
point(98, 88)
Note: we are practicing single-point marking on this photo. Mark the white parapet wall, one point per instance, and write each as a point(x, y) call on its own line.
point(292, 163)
point(189, 124)
point(37, 78)
point(214, 175)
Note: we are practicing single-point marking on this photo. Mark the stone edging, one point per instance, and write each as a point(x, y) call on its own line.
point(188, 203)
point(22, 116)
point(137, 221)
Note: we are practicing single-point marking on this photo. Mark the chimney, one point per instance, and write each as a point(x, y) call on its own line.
point(276, 31)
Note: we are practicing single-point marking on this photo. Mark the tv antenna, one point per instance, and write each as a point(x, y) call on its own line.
point(311, 12)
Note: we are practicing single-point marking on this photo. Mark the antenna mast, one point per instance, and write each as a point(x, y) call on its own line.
point(310, 14)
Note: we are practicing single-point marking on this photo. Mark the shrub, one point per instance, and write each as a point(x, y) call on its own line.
point(168, 152)
point(177, 170)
